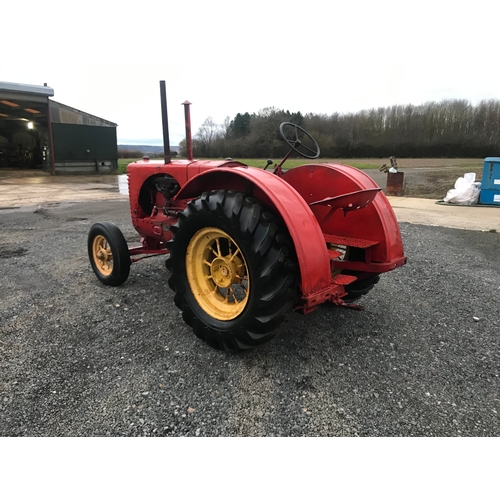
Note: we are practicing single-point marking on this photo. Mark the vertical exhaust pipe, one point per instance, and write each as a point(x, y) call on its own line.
point(164, 117)
point(189, 141)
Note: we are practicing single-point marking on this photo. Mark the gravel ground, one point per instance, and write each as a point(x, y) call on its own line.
point(81, 359)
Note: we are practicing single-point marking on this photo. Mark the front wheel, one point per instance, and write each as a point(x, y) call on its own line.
point(108, 253)
point(233, 270)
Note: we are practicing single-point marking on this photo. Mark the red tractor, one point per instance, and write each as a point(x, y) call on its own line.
point(245, 245)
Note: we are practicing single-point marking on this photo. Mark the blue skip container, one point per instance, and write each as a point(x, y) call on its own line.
point(490, 183)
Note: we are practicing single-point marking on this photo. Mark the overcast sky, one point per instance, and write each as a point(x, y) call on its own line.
point(319, 56)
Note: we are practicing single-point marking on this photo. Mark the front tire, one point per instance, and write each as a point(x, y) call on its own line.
point(233, 270)
point(108, 253)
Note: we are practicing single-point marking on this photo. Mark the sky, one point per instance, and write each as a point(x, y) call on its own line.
point(227, 57)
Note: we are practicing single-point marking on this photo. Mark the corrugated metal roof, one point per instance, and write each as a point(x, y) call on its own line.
point(22, 95)
point(57, 111)
point(42, 90)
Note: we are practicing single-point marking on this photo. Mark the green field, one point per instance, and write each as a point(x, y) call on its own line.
point(291, 163)
point(362, 163)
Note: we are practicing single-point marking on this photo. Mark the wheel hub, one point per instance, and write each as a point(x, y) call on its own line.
point(217, 273)
point(225, 272)
point(103, 257)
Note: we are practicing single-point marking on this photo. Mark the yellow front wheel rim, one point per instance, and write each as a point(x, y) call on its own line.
point(217, 274)
point(102, 255)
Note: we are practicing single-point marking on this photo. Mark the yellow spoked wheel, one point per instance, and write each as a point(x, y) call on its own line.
point(102, 255)
point(108, 253)
point(234, 270)
point(217, 273)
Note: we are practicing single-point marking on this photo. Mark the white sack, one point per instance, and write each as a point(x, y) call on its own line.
point(466, 191)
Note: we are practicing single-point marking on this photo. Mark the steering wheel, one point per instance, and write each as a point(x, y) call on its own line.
point(306, 147)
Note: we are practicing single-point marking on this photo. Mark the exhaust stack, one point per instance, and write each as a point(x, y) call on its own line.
point(164, 116)
point(189, 141)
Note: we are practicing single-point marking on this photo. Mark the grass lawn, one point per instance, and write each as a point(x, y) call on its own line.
point(362, 163)
point(261, 163)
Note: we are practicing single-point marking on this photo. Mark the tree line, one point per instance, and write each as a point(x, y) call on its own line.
point(450, 128)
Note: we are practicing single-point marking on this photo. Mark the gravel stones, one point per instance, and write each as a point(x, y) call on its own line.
point(81, 359)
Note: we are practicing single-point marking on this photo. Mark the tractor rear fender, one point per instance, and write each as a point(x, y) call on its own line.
point(377, 222)
point(286, 203)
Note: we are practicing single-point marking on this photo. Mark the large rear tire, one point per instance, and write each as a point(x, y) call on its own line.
point(233, 270)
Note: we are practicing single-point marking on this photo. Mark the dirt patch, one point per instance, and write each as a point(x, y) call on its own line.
point(431, 182)
point(434, 183)
point(7, 251)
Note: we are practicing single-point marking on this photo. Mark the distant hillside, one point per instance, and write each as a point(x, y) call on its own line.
point(145, 149)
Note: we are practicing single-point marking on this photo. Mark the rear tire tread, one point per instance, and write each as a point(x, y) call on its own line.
point(271, 269)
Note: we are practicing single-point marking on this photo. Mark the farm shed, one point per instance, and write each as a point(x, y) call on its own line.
point(39, 133)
